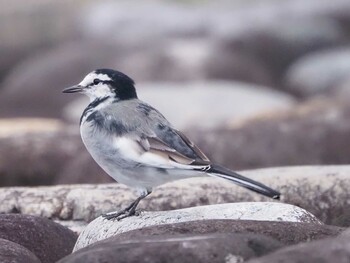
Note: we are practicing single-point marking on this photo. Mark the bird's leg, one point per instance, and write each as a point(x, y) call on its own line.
point(128, 211)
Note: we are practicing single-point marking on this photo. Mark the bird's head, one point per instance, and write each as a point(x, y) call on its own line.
point(104, 83)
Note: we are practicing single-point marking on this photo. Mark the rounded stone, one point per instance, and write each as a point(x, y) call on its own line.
point(48, 240)
point(101, 228)
point(11, 252)
point(177, 248)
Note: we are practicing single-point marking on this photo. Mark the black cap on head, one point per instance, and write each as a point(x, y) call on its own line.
point(123, 85)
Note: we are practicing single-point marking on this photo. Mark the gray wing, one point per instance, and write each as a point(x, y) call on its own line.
point(162, 136)
point(148, 127)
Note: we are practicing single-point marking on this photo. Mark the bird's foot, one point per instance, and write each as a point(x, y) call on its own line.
point(119, 215)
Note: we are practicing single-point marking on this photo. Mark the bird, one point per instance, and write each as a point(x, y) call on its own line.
point(136, 145)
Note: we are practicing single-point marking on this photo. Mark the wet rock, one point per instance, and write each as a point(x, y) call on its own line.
point(177, 248)
point(322, 251)
point(49, 241)
point(11, 252)
point(318, 73)
point(101, 228)
point(288, 233)
point(213, 102)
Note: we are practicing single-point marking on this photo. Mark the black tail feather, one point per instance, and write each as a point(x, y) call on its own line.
point(222, 172)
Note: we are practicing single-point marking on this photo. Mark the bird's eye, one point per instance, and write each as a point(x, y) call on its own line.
point(96, 81)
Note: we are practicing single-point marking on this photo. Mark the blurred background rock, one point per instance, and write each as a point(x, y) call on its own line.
point(254, 83)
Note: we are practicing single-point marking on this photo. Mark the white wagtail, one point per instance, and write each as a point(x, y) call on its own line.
point(136, 145)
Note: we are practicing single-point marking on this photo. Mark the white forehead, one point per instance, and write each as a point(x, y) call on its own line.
point(91, 76)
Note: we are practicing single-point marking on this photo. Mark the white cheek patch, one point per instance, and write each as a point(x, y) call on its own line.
point(101, 90)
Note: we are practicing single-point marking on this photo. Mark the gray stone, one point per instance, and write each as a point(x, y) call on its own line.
point(49, 241)
point(72, 205)
point(204, 100)
point(101, 228)
point(322, 251)
point(33, 26)
point(178, 248)
point(318, 73)
point(35, 151)
point(313, 132)
point(11, 252)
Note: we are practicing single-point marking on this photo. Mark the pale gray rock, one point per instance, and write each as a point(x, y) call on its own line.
point(101, 228)
point(72, 205)
point(319, 73)
point(203, 104)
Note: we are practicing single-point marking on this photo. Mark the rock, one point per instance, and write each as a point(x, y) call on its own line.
point(321, 190)
point(41, 146)
point(250, 100)
point(272, 45)
point(49, 241)
point(319, 72)
point(35, 26)
point(313, 132)
point(14, 253)
point(44, 75)
point(178, 248)
point(288, 233)
point(101, 228)
point(322, 251)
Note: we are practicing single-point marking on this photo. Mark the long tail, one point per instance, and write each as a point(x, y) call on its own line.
point(222, 172)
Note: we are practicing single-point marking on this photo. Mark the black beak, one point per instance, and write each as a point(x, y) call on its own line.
point(73, 89)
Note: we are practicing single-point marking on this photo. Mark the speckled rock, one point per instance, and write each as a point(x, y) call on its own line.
point(49, 241)
point(74, 205)
point(177, 248)
point(101, 228)
point(11, 252)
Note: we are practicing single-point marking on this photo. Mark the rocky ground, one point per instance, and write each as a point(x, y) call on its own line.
point(260, 86)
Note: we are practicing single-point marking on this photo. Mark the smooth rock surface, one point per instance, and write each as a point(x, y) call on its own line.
point(11, 252)
point(318, 73)
point(101, 228)
point(177, 248)
point(49, 241)
point(314, 132)
point(322, 251)
point(288, 233)
point(42, 147)
point(199, 100)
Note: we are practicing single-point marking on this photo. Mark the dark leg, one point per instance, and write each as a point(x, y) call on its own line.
point(128, 211)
